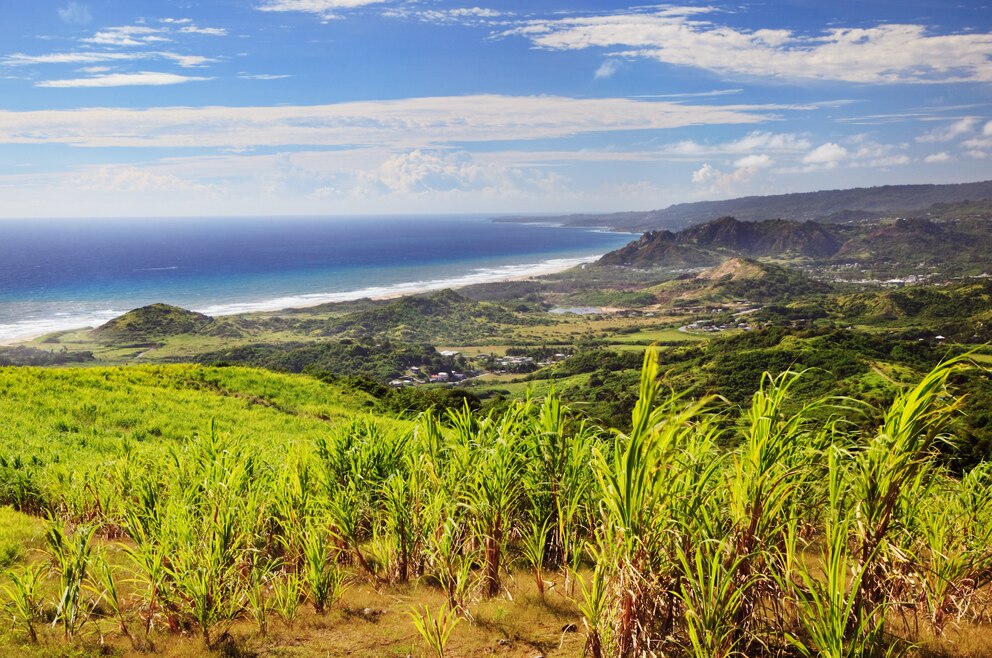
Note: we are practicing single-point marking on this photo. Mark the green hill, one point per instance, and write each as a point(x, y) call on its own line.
point(152, 322)
point(659, 249)
point(739, 279)
point(434, 318)
point(956, 242)
point(61, 425)
point(707, 244)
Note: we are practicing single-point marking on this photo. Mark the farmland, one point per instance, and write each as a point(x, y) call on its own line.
point(279, 513)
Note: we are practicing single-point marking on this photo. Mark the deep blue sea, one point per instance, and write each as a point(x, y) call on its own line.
point(57, 275)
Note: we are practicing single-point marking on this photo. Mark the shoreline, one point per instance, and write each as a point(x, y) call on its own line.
point(501, 274)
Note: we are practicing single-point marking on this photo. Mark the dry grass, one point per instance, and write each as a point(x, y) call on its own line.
point(366, 621)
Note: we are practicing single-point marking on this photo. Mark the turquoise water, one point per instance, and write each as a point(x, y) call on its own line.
point(57, 275)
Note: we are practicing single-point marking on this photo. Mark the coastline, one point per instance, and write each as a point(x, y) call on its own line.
point(500, 274)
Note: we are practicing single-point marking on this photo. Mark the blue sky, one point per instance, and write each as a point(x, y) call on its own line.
point(248, 107)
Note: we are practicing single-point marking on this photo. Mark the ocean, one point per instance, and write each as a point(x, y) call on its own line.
point(60, 275)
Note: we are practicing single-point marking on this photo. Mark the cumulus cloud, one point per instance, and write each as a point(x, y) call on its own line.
point(943, 156)
point(607, 69)
point(754, 162)
point(883, 54)
point(982, 142)
point(782, 143)
point(978, 148)
point(718, 181)
point(123, 178)
point(705, 174)
point(419, 171)
point(950, 132)
point(859, 152)
point(144, 78)
point(75, 13)
point(403, 123)
point(826, 155)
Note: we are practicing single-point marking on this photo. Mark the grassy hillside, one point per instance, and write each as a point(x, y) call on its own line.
point(61, 427)
point(512, 533)
point(152, 322)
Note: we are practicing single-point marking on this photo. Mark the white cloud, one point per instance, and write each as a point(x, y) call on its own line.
point(123, 178)
point(826, 155)
point(471, 16)
point(607, 69)
point(20, 59)
point(263, 76)
point(976, 154)
point(403, 123)
point(987, 130)
point(699, 94)
point(127, 36)
point(206, 31)
point(724, 182)
point(144, 78)
point(705, 174)
point(474, 11)
point(890, 161)
point(186, 61)
point(466, 16)
point(978, 143)
point(883, 54)
point(75, 13)
point(950, 132)
point(754, 162)
point(943, 156)
point(782, 143)
point(324, 8)
point(430, 171)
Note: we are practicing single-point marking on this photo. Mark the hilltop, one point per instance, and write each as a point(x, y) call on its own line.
point(152, 322)
point(704, 244)
point(956, 243)
point(739, 279)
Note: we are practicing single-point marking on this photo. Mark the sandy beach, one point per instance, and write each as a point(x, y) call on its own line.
point(497, 275)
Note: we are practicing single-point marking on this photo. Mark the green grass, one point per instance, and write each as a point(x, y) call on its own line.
point(19, 533)
point(668, 335)
point(537, 529)
point(62, 425)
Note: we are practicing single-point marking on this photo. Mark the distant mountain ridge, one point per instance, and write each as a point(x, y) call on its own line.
point(826, 206)
point(703, 244)
point(961, 243)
